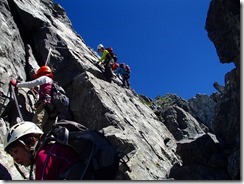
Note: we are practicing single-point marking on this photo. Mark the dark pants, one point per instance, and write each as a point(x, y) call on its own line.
point(108, 73)
point(125, 80)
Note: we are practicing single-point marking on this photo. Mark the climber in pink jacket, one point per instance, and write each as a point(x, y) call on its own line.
point(46, 113)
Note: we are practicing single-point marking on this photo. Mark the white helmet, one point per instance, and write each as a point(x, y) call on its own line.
point(100, 46)
point(19, 130)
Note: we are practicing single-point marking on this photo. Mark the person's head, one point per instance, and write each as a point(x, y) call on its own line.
point(100, 48)
point(20, 141)
point(44, 70)
point(122, 65)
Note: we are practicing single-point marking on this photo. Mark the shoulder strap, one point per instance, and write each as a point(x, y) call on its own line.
point(88, 161)
point(46, 161)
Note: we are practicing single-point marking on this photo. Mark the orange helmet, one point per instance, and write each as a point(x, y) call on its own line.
point(44, 70)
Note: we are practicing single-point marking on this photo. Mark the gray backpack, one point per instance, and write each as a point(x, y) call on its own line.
point(59, 98)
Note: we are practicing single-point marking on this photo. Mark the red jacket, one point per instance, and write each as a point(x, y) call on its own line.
point(53, 160)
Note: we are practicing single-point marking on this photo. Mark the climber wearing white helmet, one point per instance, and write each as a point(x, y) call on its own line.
point(100, 46)
point(24, 142)
point(18, 143)
point(107, 61)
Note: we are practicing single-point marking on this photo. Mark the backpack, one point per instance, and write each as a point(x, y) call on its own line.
point(112, 54)
point(127, 69)
point(115, 66)
point(59, 98)
point(99, 158)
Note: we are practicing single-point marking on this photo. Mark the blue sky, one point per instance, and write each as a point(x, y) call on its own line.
point(164, 42)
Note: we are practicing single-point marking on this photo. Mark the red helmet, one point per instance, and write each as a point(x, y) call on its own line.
point(44, 70)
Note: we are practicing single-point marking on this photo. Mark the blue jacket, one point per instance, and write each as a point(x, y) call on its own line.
point(120, 71)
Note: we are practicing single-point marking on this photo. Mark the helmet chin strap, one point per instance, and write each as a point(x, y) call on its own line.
point(23, 143)
point(33, 148)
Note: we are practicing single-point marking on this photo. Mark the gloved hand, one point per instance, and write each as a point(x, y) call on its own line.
point(13, 82)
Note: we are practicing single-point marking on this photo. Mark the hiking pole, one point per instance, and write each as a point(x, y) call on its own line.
point(48, 56)
point(16, 102)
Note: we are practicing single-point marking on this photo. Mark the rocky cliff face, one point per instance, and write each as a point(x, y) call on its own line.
point(165, 138)
point(223, 26)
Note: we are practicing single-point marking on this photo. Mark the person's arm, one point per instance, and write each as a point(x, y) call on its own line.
point(30, 84)
point(104, 55)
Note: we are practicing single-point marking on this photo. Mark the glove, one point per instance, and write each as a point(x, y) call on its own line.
point(13, 82)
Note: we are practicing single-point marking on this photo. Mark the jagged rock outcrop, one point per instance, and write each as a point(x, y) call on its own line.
point(182, 116)
point(219, 87)
point(223, 26)
point(157, 135)
point(203, 107)
point(203, 159)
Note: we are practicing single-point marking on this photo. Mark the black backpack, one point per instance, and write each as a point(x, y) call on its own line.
point(59, 98)
point(112, 54)
point(99, 158)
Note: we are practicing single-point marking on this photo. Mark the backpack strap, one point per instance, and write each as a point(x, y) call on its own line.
point(37, 148)
point(65, 138)
point(46, 161)
point(68, 174)
point(123, 161)
point(88, 161)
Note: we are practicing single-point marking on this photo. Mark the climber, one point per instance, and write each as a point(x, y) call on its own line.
point(45, 114)
point(123, 70)
point(107, 60)
point(24, 142)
